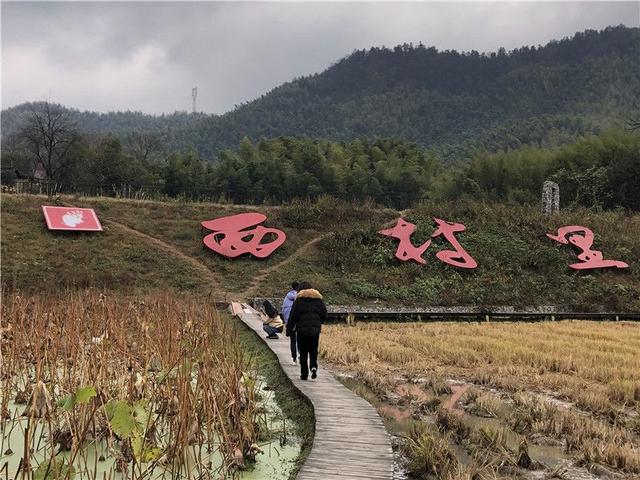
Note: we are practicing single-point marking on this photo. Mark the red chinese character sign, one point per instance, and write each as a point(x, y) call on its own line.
point(458, 257)
point(71, 218)
point(406, 251)
point(582, 238)
point(232, 236)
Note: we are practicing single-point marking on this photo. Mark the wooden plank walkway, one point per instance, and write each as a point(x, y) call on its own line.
point(350, 442)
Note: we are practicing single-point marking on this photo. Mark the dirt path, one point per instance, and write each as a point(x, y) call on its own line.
point(208, 274)
point(252, 289)
point(215, 283)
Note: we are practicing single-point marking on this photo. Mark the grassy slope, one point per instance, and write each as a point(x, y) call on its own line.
point(518, 264)
point(179, 225)
point(35, 259)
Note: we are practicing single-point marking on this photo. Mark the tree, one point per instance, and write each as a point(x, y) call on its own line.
point(145, 146)
point(110, 166)
point(633, 124)
point(49, 136)
point(13, 162)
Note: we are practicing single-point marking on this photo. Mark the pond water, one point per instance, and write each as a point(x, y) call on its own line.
point(279, 452)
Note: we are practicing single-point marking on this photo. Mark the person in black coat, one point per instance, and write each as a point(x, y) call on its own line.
point(306, 318)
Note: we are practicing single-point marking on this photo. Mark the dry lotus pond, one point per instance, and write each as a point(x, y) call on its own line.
point(108, 387)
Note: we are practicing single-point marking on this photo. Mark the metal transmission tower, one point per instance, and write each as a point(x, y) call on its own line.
point(194, 95)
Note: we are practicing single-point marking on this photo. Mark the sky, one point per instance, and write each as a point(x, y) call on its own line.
point(147, 56)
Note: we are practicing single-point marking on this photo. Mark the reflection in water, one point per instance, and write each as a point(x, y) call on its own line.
point(97, 460)
point(399, 417)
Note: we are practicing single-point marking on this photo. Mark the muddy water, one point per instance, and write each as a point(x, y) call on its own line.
point(457, 391)
point(398, 418)
point(549, 455)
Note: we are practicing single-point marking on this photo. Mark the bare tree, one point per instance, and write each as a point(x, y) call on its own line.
point(49, 135)
point(633, 120)
point(145, 146)
point(633, 124)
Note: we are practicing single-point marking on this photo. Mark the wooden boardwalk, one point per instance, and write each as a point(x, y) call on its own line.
point(350, 442)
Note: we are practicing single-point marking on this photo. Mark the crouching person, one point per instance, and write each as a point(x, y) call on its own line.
point(271, 321)
point(306, 318)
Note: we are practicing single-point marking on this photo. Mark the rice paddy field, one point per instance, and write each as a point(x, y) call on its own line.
point(156, 386)
point(500, 400)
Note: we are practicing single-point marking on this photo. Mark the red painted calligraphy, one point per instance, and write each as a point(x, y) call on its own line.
point(406, 251)
point(403, 230)
point(233, 237)
point(582, 238)
point(459, 257)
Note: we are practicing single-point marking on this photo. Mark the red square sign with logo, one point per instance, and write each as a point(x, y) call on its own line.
point(71, 218)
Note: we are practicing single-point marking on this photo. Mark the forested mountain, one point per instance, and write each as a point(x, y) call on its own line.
point(455, 103)
point(94, 123)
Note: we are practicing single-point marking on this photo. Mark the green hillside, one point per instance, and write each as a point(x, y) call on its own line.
point(445, 99)
point(454, 102)
point(332, 244)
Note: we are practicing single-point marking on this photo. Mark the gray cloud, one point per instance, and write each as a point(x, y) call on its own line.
point(147, 56)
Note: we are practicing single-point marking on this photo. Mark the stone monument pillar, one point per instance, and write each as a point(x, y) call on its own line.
point(550, 198)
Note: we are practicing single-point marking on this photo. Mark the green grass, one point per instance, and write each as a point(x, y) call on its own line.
point(179, 225)
point(35, 259)
point(518, 265)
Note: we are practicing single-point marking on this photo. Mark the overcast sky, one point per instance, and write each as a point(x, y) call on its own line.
point(147, 56)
